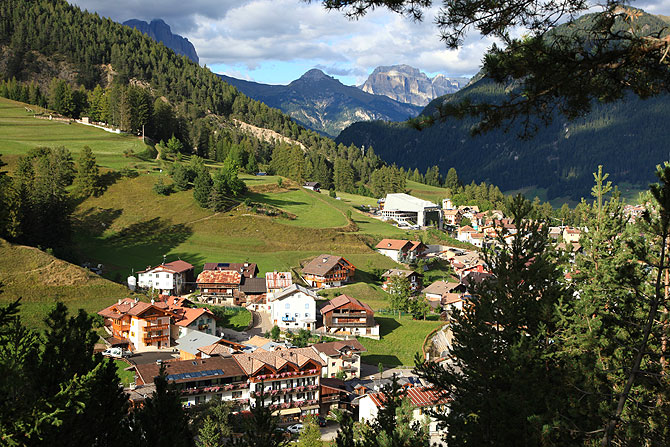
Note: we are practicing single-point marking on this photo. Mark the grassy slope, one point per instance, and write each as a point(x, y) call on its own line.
point(40, 280)
point(20, 131)
point(130, 227)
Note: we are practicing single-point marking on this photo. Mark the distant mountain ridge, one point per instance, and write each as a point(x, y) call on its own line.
point(410, 85)
point(627, 137)
point(322, 103)
point(160, 31)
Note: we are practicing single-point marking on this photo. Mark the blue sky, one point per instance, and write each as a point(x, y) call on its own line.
point(276, 41)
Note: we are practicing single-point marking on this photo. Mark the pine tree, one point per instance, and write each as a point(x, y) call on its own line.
point(162, 422)
point(87, 178)
point(310, 436)
point(504, 381)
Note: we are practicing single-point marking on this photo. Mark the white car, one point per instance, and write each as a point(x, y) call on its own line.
point(294, 429)
point(116, 353)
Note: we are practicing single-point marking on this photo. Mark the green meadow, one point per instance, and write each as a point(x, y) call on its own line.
point(130, 227)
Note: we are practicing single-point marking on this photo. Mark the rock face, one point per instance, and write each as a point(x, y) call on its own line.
point(322, 103)
point(410, 85)
point(160, 31)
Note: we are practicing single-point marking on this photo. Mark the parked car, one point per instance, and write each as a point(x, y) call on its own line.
point(116, 353)
point(294, 429)
point(322, 421)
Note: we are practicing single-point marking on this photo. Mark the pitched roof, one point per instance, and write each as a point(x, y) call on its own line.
point(278, 280)
point(246, 269)
point(416, 245)
point(178, 266)
point(253, 285)
point(219, 277)
point(441, 287)
point(214, 367)
point(343, 300)
point(335, 348)
point(392, 244)
point(467, 229)
point(252, 362)
point(322, 264)
point(194, 340)
point(419, 397)
point(187, 316)
point(216, 349)
point(294, 288)
point(257, 341)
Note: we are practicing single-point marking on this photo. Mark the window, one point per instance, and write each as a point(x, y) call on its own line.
point(306, 314)
point(287, 306)
point(297, 314)
point(167, 275)
point(237, 394)
point(307, 306)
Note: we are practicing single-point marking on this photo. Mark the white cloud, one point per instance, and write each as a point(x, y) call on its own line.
point(249, 33)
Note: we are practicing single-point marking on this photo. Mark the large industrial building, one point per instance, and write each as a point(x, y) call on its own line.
point(404, 208)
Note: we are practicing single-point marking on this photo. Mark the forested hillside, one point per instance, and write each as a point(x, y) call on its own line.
point(77, 64)
point(627, 137)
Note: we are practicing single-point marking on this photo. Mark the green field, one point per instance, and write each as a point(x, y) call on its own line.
point(130, 227)
point(401, 339)
point(20, 131)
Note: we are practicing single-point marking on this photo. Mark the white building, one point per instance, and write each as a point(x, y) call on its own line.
point(421, 398)
point(404, 208)
point(170, 279)
point(294, 308)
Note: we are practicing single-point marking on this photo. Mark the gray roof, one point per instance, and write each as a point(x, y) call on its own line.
point(194, 340)
point(293, 288)
point(253, 285)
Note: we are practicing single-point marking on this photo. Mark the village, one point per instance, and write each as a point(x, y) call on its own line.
point(301, 350)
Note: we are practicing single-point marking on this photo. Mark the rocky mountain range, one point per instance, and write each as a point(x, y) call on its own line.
point(322, 103)
point(410, 85)
point(627, 137)
point(160, 31)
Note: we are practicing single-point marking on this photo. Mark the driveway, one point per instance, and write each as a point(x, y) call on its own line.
point(261, 323)
point(142, 358)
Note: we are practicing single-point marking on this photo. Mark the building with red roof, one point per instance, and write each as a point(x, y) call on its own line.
point(401, 250)
point(344, 315)
point(173, 278)
point(421, 398)
point(220, 286)
point(141, 324)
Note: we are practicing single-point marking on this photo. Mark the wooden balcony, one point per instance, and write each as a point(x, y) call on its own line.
point(153, 339)
point(155, 327)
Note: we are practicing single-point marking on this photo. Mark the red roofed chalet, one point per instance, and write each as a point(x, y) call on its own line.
point(401, 250)
point(174, 278)
point(348, 316)
point(219, 286)
point(421, 398)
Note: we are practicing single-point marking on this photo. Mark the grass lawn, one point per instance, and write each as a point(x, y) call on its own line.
point(127, 377)
point(40, 280)
point(236, 318)
point(20, 131)
point(401, 339)
point(426, 192)
point(310, 209)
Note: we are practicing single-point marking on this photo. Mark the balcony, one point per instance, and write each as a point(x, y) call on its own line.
point(155, 327)
point(120, 327)
point(153, 339)
point(216, 388)
point(288, 319)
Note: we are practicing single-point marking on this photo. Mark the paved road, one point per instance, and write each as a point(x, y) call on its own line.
point(262, 323)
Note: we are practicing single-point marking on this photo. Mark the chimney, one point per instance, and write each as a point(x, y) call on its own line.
point(120, 300)
point(152, 301)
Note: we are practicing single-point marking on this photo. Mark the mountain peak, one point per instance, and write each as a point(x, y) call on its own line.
point(160, 31)
point(315, 75)
point(409, 85)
